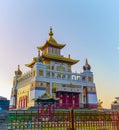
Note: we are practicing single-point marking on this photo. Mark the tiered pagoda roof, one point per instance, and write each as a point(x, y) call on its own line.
point(52, 43)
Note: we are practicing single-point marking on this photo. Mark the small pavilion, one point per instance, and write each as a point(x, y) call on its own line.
point(45, 99)
point(46, 104)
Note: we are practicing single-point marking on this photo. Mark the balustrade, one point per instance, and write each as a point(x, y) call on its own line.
point(64, 75)
point(63, 119)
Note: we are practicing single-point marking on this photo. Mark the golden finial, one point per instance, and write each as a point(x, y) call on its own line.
point(99, 105)
point(50, 33)
point(18, 67)
point(18, 72)
point(86, 62)
point(38, 53)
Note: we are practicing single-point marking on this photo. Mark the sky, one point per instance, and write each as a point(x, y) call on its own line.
point(90, 28)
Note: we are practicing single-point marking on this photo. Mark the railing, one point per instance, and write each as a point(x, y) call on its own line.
point(63, 75)
point(53, 74)
point(64, 119)
point(25, 77)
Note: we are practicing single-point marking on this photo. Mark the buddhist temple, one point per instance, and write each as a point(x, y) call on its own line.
point(50, 72)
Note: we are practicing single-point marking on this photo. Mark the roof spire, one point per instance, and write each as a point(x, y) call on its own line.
point(18, 72)
point(18, 67)
point(86, 62)
point(38, 53)
point(50, 33)
point(86, 66)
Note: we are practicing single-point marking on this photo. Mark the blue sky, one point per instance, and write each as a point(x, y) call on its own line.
point(89, 28)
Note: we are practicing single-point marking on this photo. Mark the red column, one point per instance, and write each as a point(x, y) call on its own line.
point(26, 101)
point(77, 100)
point(58, 95)
point(74, 103)
point(22, 102)
point(19, 104)
point(71, 100)
point(66, 103)
point(63, 100)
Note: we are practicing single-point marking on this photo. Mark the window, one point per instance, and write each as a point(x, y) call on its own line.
point(52, 67)
point(48, 67)
point(53, 74)
point(60, 68)
point(90, 79)
point(83, 78)
point(48, 74)
point(41, 72)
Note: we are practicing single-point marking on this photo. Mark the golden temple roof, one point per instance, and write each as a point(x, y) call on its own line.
point(45, 96)
point(31, 63)
point(51, 42)
point(54, 57)
point(60, 58)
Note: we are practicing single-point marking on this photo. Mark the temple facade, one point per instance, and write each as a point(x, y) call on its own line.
point(51, 72)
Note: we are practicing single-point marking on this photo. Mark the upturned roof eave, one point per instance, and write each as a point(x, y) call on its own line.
point(60, 46)
point(60, 58)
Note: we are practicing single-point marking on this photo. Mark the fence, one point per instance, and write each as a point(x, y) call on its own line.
point(63, 119)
